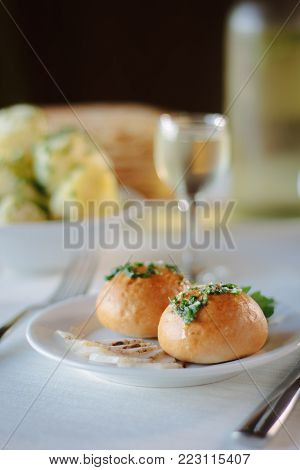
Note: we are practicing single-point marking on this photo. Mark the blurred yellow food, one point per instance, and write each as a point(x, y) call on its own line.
point(87, 188)
point(57, 154)
point(8, 181)
point(14, 209)
point(40, 172)
point(20, 126)
point(24, 189)
point(19, 162)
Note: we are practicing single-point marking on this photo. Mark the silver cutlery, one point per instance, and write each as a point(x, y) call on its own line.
point(75, 281)
point(269, 417)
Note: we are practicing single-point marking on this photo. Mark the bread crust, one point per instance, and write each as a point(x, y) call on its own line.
point(133, 306)
point(229, 327)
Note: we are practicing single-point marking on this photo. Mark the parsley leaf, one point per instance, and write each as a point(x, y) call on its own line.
point(267, 304)
point(246, 289)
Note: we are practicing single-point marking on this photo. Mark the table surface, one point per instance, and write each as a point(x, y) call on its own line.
point(75, 410)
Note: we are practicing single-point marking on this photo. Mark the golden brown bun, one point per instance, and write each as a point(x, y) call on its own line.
point(230, 326)
point(134, 306)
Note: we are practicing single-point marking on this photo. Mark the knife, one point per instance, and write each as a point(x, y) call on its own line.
point(270, 415)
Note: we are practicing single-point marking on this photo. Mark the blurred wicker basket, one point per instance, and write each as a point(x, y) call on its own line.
point(125, 131)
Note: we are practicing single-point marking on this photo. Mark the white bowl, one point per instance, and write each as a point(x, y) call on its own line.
point(41, 246)
point(36, 247)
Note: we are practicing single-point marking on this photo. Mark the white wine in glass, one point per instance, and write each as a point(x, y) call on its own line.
point(190, 152)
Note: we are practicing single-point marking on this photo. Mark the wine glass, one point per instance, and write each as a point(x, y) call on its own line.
point(190, 151)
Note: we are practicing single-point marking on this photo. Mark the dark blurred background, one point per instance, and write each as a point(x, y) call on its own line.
point(163, 53)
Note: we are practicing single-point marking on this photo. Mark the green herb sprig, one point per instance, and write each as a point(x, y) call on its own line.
point(132, 270)
point(267, 304)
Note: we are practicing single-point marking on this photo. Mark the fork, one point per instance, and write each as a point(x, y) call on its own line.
point(75, 281)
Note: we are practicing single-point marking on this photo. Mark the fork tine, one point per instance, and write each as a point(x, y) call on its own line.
point(67, 280)
point(78, 273)
point(84, 277)
point(88, 276)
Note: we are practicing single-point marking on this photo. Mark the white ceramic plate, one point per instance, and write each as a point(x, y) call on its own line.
point(284, 338)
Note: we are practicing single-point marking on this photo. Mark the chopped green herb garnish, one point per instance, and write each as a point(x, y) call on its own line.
point(133, 270)
point(187, 304)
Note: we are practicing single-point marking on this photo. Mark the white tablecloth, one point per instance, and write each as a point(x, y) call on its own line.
point(74, 410)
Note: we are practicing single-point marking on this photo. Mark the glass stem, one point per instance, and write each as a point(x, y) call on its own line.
point(188, 254)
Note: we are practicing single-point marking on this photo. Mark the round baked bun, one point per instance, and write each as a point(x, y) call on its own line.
point(229, 326)
point(133, 305)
